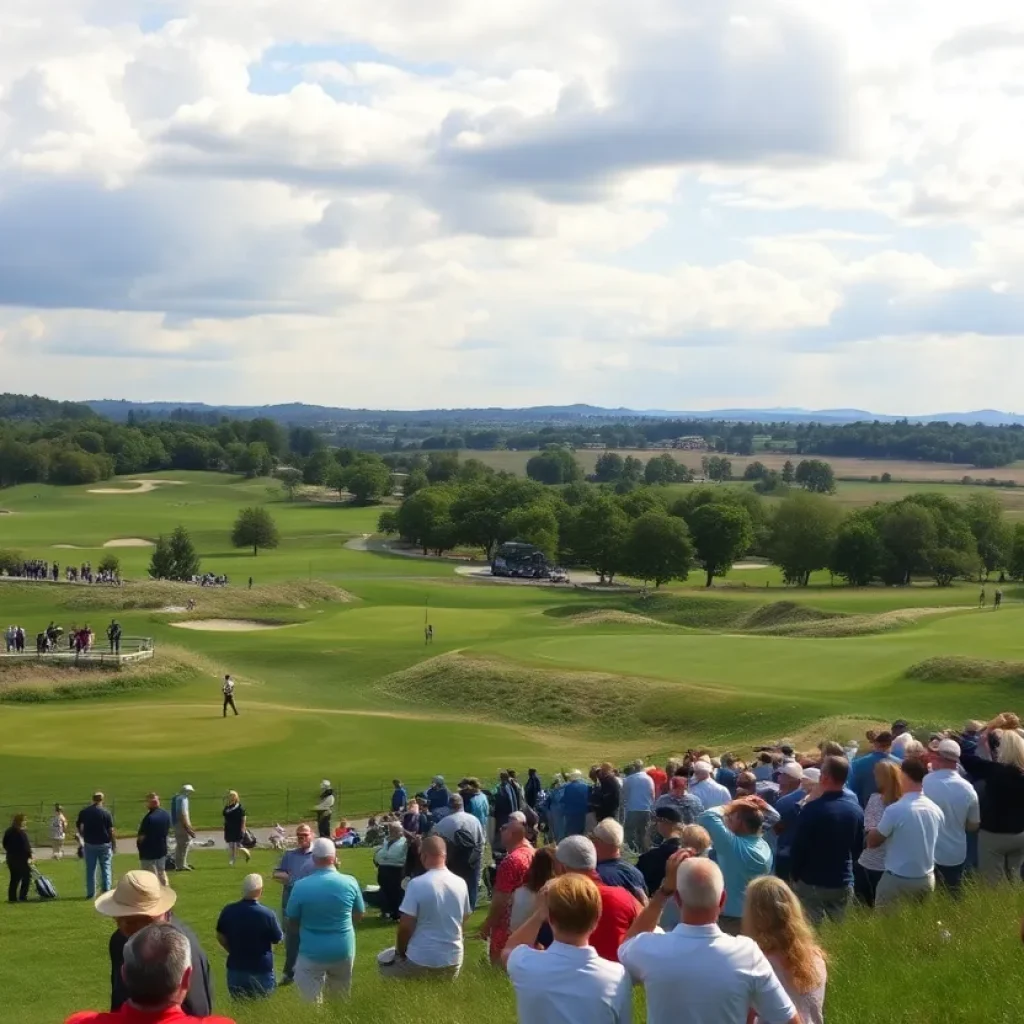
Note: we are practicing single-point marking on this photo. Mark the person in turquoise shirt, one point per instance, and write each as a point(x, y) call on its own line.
point(740, 849)
point(324, 906)
point(475, 801)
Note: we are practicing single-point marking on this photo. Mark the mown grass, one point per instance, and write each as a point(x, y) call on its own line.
point(950, 961)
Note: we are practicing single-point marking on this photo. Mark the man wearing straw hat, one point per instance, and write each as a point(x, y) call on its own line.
point(140, 900)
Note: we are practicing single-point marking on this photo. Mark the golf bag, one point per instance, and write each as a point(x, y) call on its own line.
point(45, 889)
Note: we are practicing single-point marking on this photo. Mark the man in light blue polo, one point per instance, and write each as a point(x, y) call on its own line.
point(294, 865)
point(325, 905)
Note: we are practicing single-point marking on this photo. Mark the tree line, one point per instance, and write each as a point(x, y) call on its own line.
point(650, 533)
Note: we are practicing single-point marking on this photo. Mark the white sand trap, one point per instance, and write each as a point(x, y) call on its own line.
point(128, 542)
point(172, 609)
point(138, 487)
point(751, 565)
point(227, 625)
point(70, 547)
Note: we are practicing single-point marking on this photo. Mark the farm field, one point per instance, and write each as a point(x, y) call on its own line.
point(859, 469)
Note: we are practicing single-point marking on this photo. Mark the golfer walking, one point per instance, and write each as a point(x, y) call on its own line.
point(228, 689)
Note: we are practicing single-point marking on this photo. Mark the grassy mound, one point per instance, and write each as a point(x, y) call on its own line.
point(783, 614)
point(695, 612)
point(613, 617)
point(854, 625)
point(212, 601)
point(957, 669)
point(42, 683)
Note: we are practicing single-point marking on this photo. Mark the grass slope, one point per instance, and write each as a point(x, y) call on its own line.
point(893, 969)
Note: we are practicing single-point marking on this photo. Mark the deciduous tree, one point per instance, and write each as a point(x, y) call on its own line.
point(254, 528)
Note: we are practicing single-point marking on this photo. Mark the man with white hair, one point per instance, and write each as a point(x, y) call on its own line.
point(696, 974)
point(249, 931)
point(961, 813)
point(157, 976)
point(433, 914)
point(464, 837)
point(638, 800)
point(612, 869)
point(323, 906)
point(705, 789)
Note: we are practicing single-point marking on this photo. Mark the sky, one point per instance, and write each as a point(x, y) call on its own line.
point(673, 204)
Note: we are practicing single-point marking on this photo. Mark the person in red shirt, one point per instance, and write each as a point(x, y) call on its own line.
point(619, 909)
point(157, 970)
point(660, 778)
point(511, 875)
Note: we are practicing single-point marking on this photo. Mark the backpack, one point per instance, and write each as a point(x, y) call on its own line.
point(248, 840)
point(45, 889)
point(463, 853)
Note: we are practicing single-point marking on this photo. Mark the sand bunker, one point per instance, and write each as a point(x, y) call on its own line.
point(137, 487)
point(128, 542)
point(228, 625)
point(172, 609)
point(70, 547)
point(751, 565)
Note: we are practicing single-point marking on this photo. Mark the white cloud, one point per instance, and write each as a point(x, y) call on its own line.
point(668, 203)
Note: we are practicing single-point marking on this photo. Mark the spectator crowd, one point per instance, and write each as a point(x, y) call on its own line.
point(702, 880)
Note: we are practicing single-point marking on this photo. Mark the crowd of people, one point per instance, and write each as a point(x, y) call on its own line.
point(702, 880)
point(40, 569)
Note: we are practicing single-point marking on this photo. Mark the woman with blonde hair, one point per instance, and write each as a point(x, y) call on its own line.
point(234, 827)
point(774, 919)
point(871, 865)
point(1001, 837)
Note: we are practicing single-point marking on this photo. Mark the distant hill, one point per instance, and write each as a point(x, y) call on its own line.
point(299, 413)
point(35, 407)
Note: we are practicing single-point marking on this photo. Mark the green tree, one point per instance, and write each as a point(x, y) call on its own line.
point(268, 433)
point(254, 528)
point(857, 552)
point(755, 471)
point(161, 564)
point(425, 519)
point(992, 536)
point(534, 524)
point(658, 548)
point(291, 481)
point(186, 560)
point(554, 466)
point(256, 460)
point(721, 533)
point(387, 522)
point(599, 532)
point(367, 480)
point(415, 481)
point(802, 535)
point(1015, 563)
point(816, 476)
point(317, 469)
point(788, 473)
point(110, 563)
point(948, 564)
point(908, 534)
point(608, 468)
point(442, 467)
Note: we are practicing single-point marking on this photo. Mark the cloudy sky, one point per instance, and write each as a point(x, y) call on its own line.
point(387, 203)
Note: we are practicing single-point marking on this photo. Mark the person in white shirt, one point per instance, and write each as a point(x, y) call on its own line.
point(568, 983)
point(696, 974)
point(910, 830)
point(638, 801)
point(706, 790)
point(324, 808)
point(434, 912)
point(958, 801)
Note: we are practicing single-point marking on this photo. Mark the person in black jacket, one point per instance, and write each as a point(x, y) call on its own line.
point(151, 839)
point(19, 859)
point(606, 794)
point(139, 900)
point(533, 788)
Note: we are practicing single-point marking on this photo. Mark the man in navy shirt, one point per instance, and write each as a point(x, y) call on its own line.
point(608, 838)
point(249, 931)
point(95, 827)
point(399, 798)
point(829, 838)
point(152, 839)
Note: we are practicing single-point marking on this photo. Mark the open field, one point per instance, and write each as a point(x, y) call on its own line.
point(554, 679)
point(857, 469)
point(962, 976)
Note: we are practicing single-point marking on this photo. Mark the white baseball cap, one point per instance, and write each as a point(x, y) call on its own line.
point(322, 849)
point(187, 788)
point(325, 784)
point(792, 769)
point(949, 749)
point(812, 775)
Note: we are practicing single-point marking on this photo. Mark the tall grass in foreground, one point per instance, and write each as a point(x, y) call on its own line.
point(942, 963)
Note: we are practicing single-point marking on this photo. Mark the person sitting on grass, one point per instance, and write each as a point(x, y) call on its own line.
point(138, 901)
point(569, 981)
point(249, 932)
point(433, 915)
point(157, 979)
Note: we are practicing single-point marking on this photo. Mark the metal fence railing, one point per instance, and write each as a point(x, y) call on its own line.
point(132, 649)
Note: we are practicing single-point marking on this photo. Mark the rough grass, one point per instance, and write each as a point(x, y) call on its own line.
point(945, 961)
point(826, 625)
point(210, 601)
point(958, 669)
point(781, 614)
point(42, 682)
point(613, 617)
